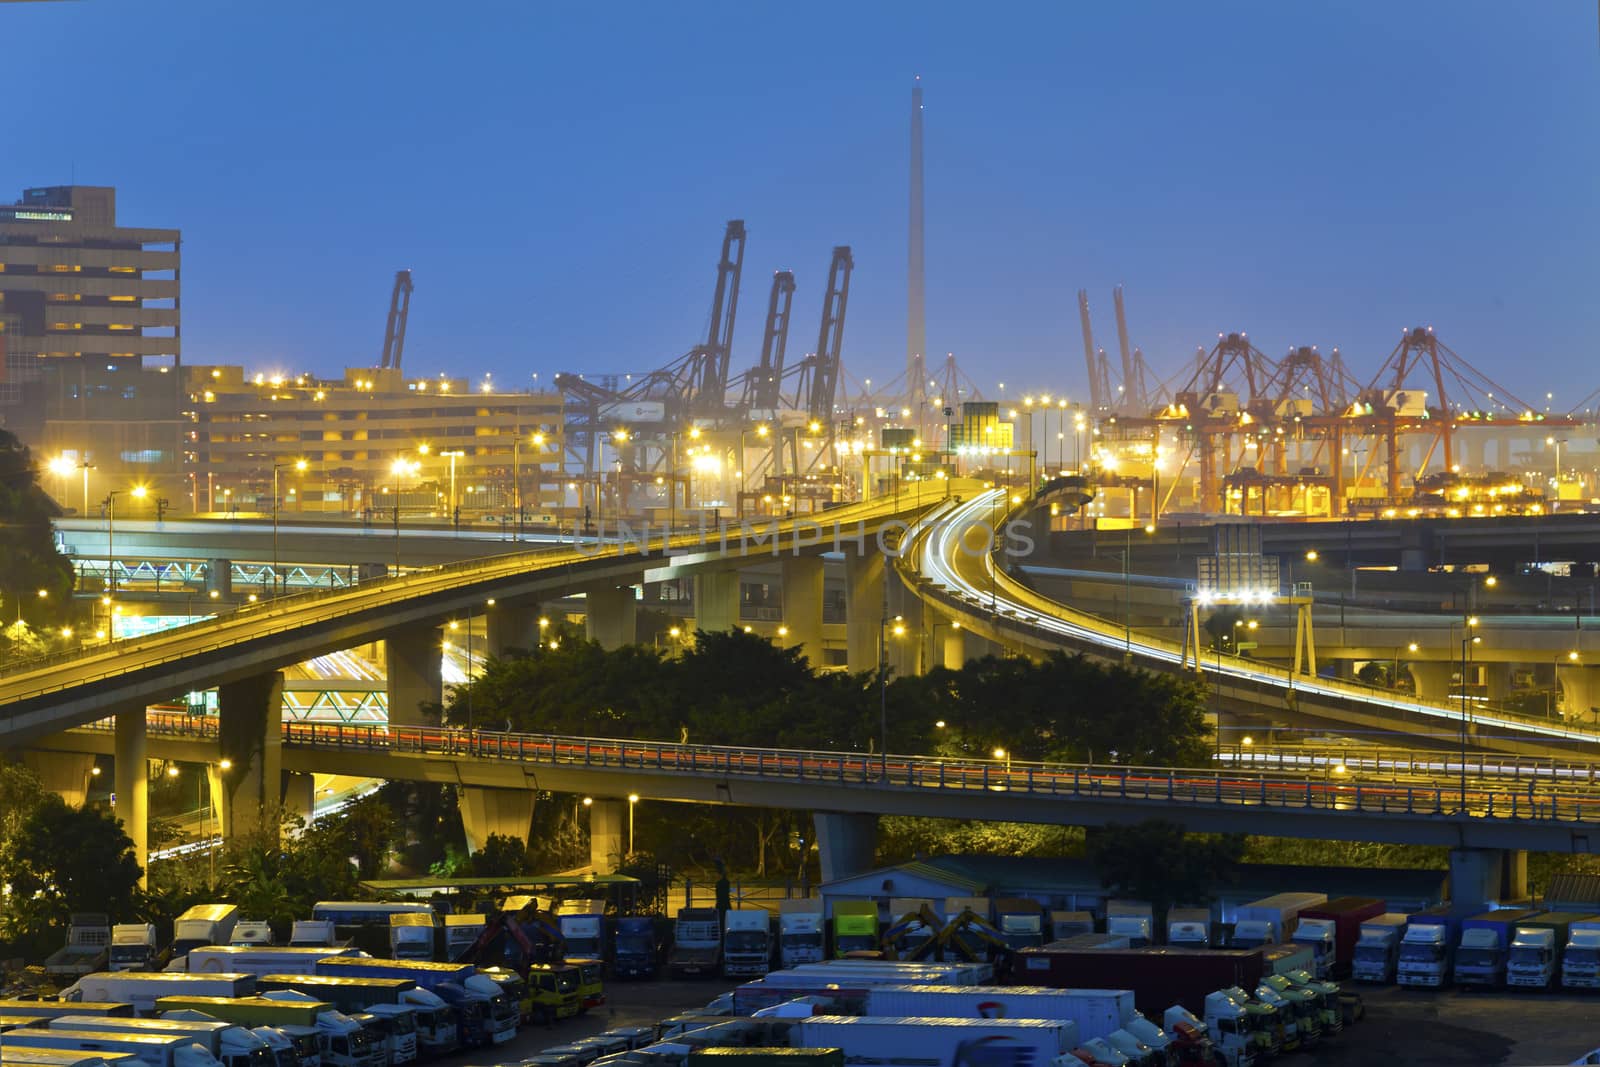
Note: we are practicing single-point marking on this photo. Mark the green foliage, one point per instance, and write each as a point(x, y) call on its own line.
point(29, 561)
point(1376, 674)
point(906, 837)
point(501, 857)
point(62, 860)
point(1306, 852)
point(20, 795)
point(1158, 862)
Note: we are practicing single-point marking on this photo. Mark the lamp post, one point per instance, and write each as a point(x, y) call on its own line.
point(1468, 639)
point(633, 798)
point(400, 466)
point(111, 535)
point(299, 465)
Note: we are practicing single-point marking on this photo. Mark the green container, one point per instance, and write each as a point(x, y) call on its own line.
point(766, 1057)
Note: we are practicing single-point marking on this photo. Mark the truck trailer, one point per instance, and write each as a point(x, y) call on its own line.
point(153, 1050)
point(1485, 941)
point(143, 990)
point(1159, 977)
point(1271, 920)
point(203, 924)
point(1095, 1012)
point(1331, 929)
point(964, 1042)
point(257, 959)
point(1377, 951)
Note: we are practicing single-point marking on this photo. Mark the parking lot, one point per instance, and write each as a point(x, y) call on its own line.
point(1402, 1027)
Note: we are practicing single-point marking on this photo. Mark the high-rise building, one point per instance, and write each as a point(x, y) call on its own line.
point(89, 324)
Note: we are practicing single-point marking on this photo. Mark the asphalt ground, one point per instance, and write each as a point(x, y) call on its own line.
point(1402, 1027)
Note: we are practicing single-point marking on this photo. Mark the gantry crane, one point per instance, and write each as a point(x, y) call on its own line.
point(394, 333)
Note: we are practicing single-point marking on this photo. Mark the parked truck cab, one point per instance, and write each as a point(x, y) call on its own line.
point(855, 926)
point(133, 947)
point(1427, 951)
point(634, 955)
point(800, 931)
point(746, 943)
point(1377, 950)
point(1580, 962)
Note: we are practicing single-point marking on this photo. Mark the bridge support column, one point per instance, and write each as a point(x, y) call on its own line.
point(946, 642)
point(250, 732)
point(1432, 678)
point(716, 600)
point(299, 795)
point(907, 651)
point(608, 828)
point(412, 663)
point(66, 774)
point(511, 624)
point(863, 609)
point(1497, 680)
point(507, 812)
point(975, 646)
point(219, 577)
point(802, 605)
point(132, 781)
point(1580, 691)
point(1482, 877)
point(611, 616)
point(847, 843)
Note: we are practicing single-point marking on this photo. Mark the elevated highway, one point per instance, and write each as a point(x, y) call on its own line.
point(964, 584)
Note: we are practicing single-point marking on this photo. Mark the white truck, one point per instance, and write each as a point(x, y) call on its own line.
point(203, 924)
point(1095, 1012)
point(1189, 927)
point(233, 1046)
point(260, 959)
point(800, 931)
point(411, 935)
point(143, 990)
point(1236, 1033)
point(583, 926)
point(954, 972)
point(1132, 919)
point(88, 942)
point(1426, 952)
point(872, 1039)
point(461, 932)
point(1377, 950)
point(312, 932)
point(343, 1041)
point(153, 1050)
point(133, 947)
point(393, 1027)
point(1580, 961)
point(746, 942)
point(1271, 920)
point(1065, 924)
point(251, 932)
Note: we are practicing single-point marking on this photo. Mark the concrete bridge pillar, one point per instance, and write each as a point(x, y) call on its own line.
point(132, 781)
point(716, 600)
point(66, 774)
point(976, 646)
point(510, 624)
point(1580, 691)
point(802, 605)
point(1431, 678)
point(1482, 877)
point(847, 843)
point(908, 650)
point(1497, 680)
point(412, 661)
point(219, 577)
point(863, 609)
point(608, 828)
point(299, 795)
point(611, 616)
point(250, 732)
point(507, 812)
point(946, 641)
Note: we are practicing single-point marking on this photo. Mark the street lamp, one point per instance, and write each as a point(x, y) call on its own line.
point(1468, 639)
point(455, 507)
point(111, 534)
point(633, 798)
point(400, 466)
point(299, 465)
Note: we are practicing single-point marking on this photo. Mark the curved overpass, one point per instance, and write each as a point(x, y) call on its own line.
point(962, 581)
point(72, 689)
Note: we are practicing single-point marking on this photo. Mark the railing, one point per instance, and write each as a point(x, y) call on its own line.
point(295, 611)
point(1441, 795)
point(1011, 605)
point(1358, 759)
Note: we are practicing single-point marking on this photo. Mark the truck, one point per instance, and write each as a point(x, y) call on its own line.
point(437, 1030)
point(461, 932)
point(1067, 923)
point(1331, 930)
point(1158, 976)
point(232, 1045)
point(308, 933)
point(872, 1039)
point(392, 1027)
point(294, 1022)
point(1021, 921)
point(1271, 920)
point(801, 930)
point(1189, 927)
point(1132, 919)
point(343, 1041)
point(143, 990)
point(153, 1050)
point(203, 924)
point(87, 947)
point(855, 926)
point(1282, 959)
point(478, 1000)
point(50, 1057)
point(49, 1009)
point(257, 959)
point(1534, 960)
point(1485, 940)
point(746, 942)
point(411, 935)
point(927, 972)
point(635, 951)
point(696, 943)
point(1238, 1035)
point(133, 947)
point(583, 925)
point(1427, 949)
point(733, 1056)
point(1377, 951)
point(247, 932)
point(1095, 1012)
point(1580, 960)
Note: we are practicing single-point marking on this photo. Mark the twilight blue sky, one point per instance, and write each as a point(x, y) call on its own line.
point(557, 174)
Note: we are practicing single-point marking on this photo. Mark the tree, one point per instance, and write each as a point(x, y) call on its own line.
point(1157, 861)
point(63, 860)
point(501, 856)
point(20, 795)
point(29, 560)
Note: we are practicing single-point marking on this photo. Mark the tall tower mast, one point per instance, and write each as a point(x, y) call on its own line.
point(916, 324)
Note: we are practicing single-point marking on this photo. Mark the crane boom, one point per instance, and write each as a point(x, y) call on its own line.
point(394, 334)
point(830, 336)
point(1130, 398)
point(1096, 384)
point(767, 380)
point(711, 388)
